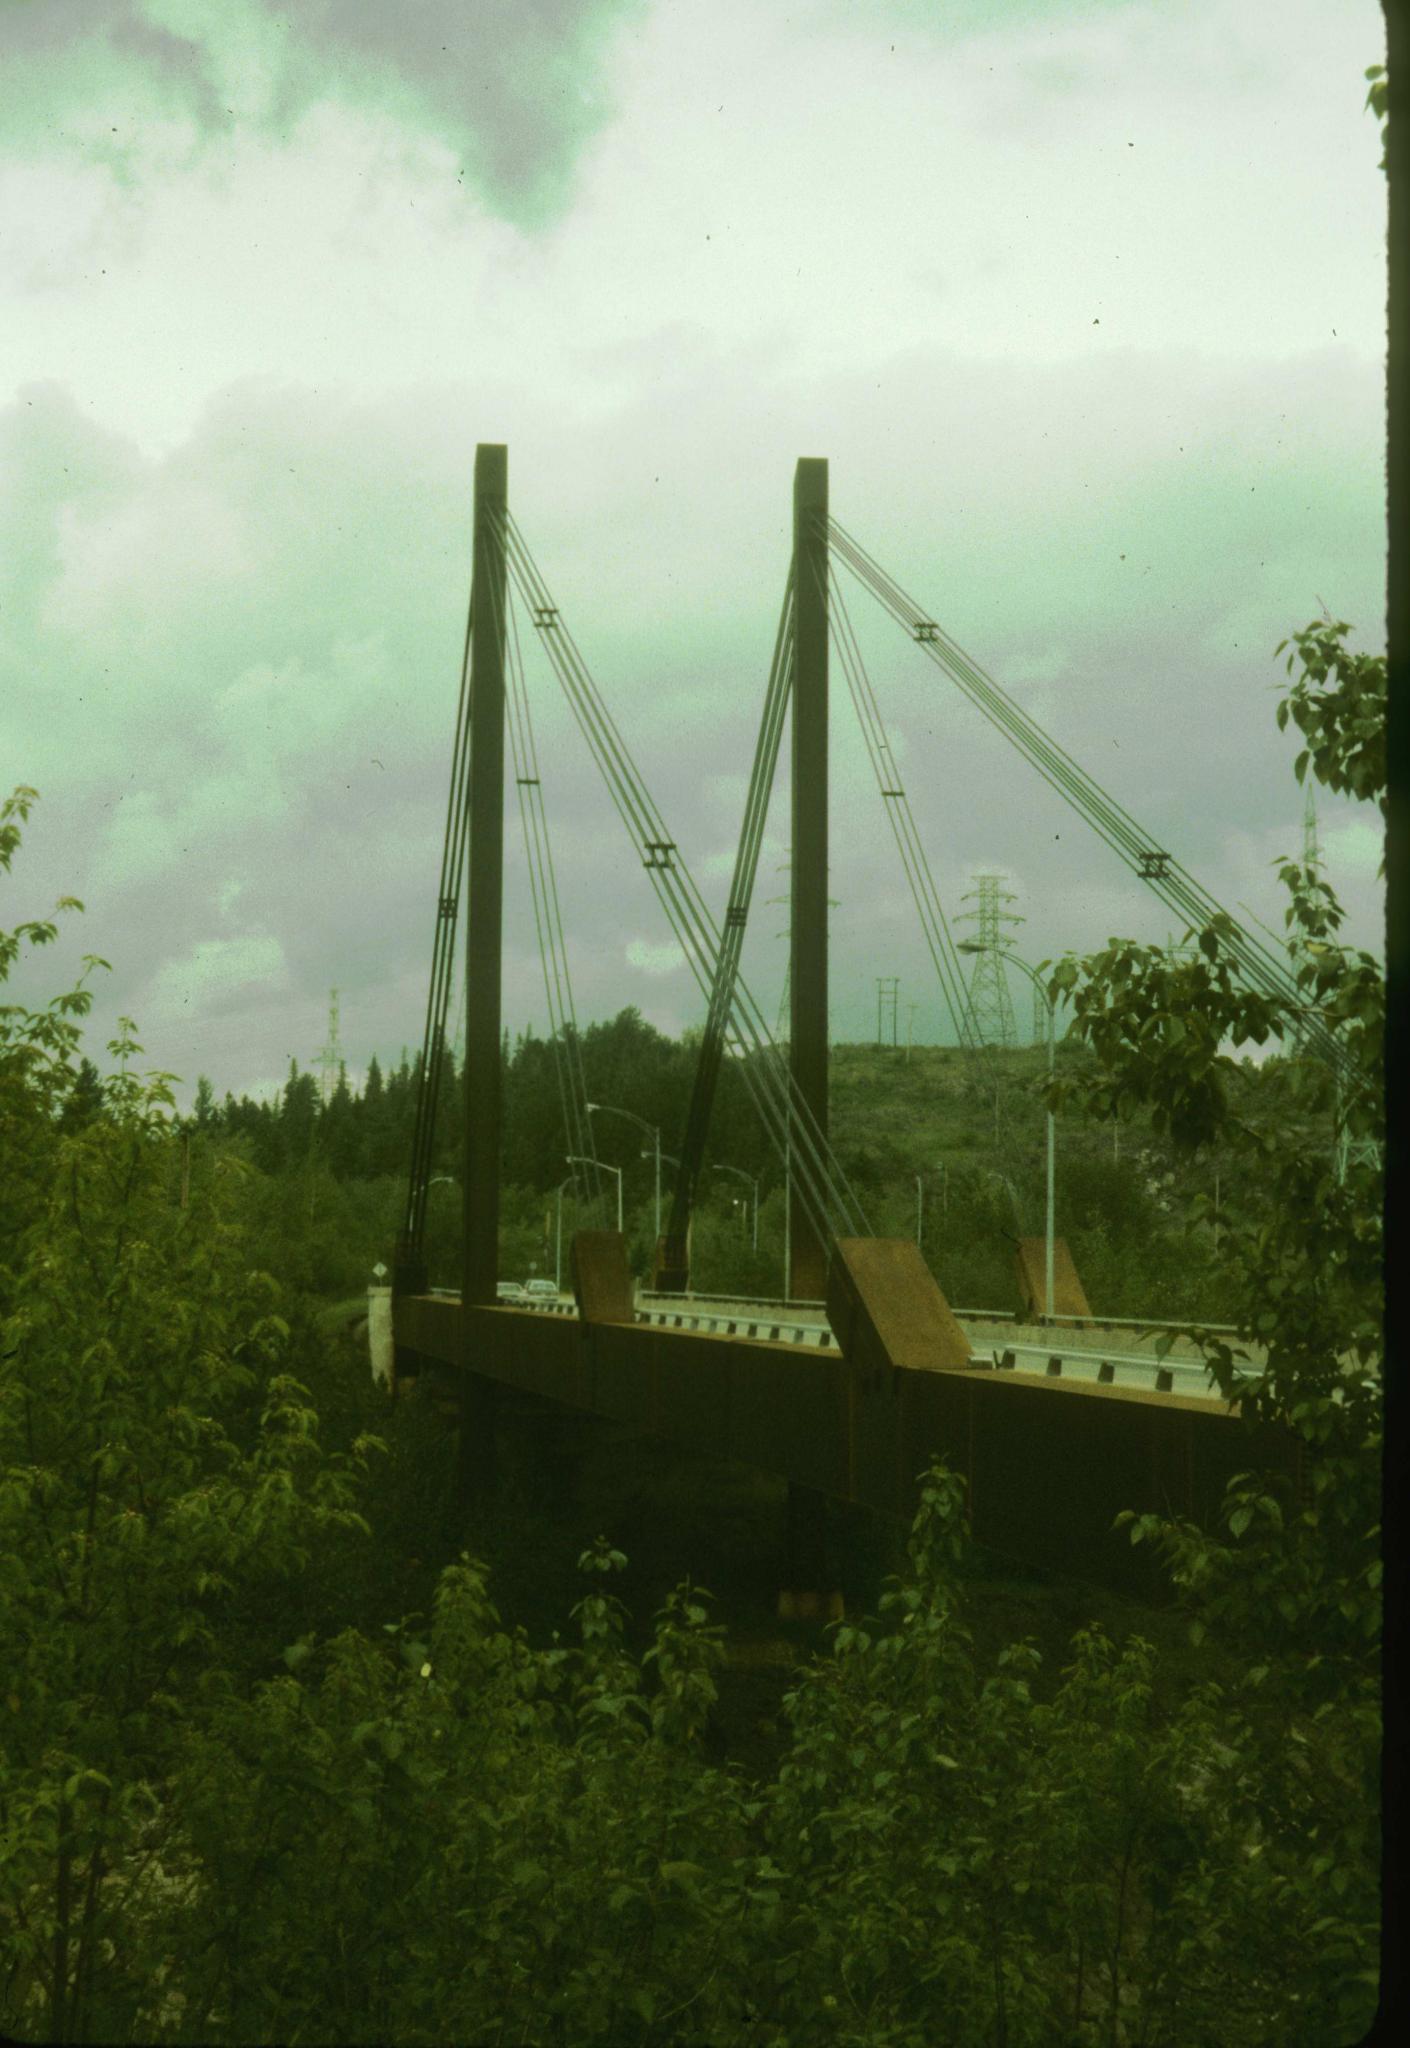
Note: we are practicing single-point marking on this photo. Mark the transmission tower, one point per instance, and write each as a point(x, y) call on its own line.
point(990, 1001)
point(888, 987)
point(781, 1025)
point(330, 1059)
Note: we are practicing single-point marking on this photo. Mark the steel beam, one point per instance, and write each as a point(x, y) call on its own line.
point(484, 880)
point(807, 1049)
point(1048, 1463)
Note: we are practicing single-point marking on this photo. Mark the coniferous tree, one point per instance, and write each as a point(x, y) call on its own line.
point(85, 1098)
point(298, 1115)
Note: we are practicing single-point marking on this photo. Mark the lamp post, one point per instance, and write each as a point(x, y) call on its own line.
point(569, 1181)
point(577, 1159)
point(752, 1179)
point(973, 946)
point(653, 1132)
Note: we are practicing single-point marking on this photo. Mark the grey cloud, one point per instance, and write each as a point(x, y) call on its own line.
point(232, 674)
point(514, 90)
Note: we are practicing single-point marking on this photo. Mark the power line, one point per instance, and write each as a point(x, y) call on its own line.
point(1153, 864)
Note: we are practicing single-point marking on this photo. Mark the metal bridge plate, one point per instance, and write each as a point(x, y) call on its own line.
point(602, 1281)
point(1068, 1296)
point(886, 1309)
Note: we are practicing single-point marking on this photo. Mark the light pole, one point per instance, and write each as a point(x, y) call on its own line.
point(653, 1132)
point(754, 1184)
point(973, 946)
point(570, 1181)
point(577, 1159)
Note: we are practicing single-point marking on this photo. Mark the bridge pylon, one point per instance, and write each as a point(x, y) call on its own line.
point(808, 977)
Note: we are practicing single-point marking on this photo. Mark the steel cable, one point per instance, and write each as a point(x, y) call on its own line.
point(1151, 864)
point(831, 1207)
point(548, 921)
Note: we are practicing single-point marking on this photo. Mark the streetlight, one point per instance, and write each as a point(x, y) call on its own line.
point(570, 1181)
point(577, 1159)
point(753, 1181)
point(973, 946)
point(652, 1131)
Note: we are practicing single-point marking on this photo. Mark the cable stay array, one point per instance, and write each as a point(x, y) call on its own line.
point(548, 921)
point(548, 924)
point(675, 1260)
point(901, 819)
point(413, 1231)
point(1148, 861)
point(916, 868)
point(828, 1202)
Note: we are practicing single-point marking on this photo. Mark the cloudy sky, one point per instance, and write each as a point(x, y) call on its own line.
point(1084, 303)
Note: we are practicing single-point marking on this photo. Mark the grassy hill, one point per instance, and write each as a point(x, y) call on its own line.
point(973, 1128)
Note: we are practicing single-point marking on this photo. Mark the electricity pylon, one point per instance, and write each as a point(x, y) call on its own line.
point(330, 1058)
point(990, 1001)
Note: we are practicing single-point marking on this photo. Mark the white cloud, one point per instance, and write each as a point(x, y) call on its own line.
point(217, 972)
point(654, 957)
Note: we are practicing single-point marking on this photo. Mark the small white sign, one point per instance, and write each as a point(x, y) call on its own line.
point(379, 1271)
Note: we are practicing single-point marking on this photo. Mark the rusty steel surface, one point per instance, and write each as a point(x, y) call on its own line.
point(602, 1281)
point(1049, 1463)
point(886, 1308)
point(1068, 1296)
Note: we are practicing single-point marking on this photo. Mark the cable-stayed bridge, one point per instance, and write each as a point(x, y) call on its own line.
point(852, 1399)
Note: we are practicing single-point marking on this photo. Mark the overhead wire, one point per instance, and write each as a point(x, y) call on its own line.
point(828, 1202)
point(442, 956)
point(714, 1037)
point(919, 877)
point(564, 1042)
point(1152, 864)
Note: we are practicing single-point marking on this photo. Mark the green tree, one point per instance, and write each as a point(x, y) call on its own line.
point(1289, 1579)
point(155, 1454)
point(203, 1110)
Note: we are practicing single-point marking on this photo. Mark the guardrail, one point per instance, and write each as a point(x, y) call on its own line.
point(743, 1300)
point(1146, 1370)
point(973, 1315)
point(1135, 1368)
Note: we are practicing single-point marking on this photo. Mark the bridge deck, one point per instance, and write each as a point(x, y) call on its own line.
point(1049, 1460)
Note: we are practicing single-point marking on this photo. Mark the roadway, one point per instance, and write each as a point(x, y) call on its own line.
point(1123, 1353)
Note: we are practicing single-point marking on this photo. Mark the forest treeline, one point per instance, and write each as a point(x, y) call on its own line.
point(915, 1131)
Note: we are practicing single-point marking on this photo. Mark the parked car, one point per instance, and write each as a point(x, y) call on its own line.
point(509, 1290)
point(539, 1290)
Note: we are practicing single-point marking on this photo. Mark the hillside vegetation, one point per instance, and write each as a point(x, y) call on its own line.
point(331, 1177)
